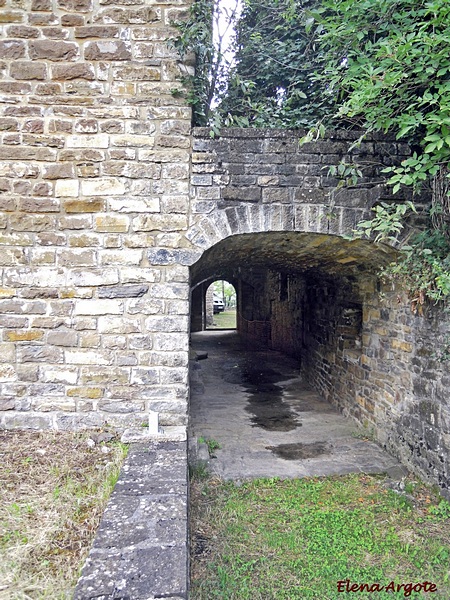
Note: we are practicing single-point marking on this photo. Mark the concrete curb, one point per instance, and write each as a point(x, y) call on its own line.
point(141, 548)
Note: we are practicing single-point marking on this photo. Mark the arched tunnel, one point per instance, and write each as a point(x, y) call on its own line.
point(308, 296)
point(303, 294)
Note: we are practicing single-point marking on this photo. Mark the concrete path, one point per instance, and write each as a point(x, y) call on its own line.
point(268, 422)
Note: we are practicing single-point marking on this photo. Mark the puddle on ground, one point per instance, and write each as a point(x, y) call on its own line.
point(265, 397)
point(299, 451)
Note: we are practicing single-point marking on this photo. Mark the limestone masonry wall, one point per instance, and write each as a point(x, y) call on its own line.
point(94, 175)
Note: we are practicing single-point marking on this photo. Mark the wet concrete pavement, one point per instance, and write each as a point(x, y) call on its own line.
point(268, 422)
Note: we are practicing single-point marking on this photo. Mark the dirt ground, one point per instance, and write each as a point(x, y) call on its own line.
point(53, 490)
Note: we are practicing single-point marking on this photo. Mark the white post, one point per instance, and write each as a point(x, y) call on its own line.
point(153, 422)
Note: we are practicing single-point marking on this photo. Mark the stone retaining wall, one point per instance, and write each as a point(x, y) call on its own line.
point(94, 176)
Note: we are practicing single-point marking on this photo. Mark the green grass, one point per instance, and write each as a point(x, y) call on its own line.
point(295, 539)
point(224, 320)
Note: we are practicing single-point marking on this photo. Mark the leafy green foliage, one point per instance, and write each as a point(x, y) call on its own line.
point(196, 36)
point(388, 67)
point(270, 84)
point(378, 65)
point(423, 268)
point(264, 79)
point(387, 222)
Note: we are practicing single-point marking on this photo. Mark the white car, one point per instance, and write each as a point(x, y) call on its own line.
point(218, 305)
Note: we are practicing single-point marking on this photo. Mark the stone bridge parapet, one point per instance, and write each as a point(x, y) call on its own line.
point(266, 180)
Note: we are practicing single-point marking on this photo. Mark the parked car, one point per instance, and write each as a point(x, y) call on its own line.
point(218, 305)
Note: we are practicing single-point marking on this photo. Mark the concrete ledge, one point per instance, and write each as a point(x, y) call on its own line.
point(165, 434)
point(141, 548)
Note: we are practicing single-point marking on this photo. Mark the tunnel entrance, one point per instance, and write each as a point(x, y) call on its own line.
point(306, 295)
point(220, 304)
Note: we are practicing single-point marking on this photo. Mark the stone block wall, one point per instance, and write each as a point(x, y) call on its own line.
point(265, 179)
point(94, 174)
point(362, 348)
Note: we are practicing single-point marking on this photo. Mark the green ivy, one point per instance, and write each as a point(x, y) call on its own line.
point(423, 269)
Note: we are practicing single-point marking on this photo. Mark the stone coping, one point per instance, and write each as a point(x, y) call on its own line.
point(253, 132)
point(141, 548)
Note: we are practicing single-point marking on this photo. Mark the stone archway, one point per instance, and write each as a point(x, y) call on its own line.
point(304, 294)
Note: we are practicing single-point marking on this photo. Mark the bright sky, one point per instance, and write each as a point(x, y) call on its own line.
point(222, 27)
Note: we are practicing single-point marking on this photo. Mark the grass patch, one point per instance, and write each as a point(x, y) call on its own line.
point(276, 539)
point(53, 490)
point(224, 320)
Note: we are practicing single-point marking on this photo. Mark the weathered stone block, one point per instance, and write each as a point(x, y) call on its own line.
point(48, 404)
point(167, 324)
point(88, 357)
point(75, 5)
point(104, 376)
point(27, 153)
point(121, 407)
point(99, 140)
point(65, 72)
point(122, 325)
point(99, 307)
point(141, 15)
point(139, 275)
point(115, 342)
point(11, 16)
point(137, 73)
point(22, 307)
point(41, 5)
point(9, 257)
point(140, 342)
point(170, 342)
point(97, 31)
point(133, 205)
point(107, 50)
point(86, 392)
point(132, 140)
point(146, 306)
point(107, 186)
point(84, 206)
point(7, 373)
point(112, 224)
point(7, 404)
point(27, 421)
point(52, 50)
point(62, 338)
point(125, 291)
point(42, 277)
point(144, 376)
point(45, 354)
point(54, 374)
point(22, 336)
point(160, 222)
point(83, 240)
point(12, 49)
point(93, 278)
point(162, 256)
point(121, 257)
point(22, 31)
point(67, 188)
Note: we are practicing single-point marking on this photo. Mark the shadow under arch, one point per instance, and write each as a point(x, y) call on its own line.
point(245, 259)
point(304, 294)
